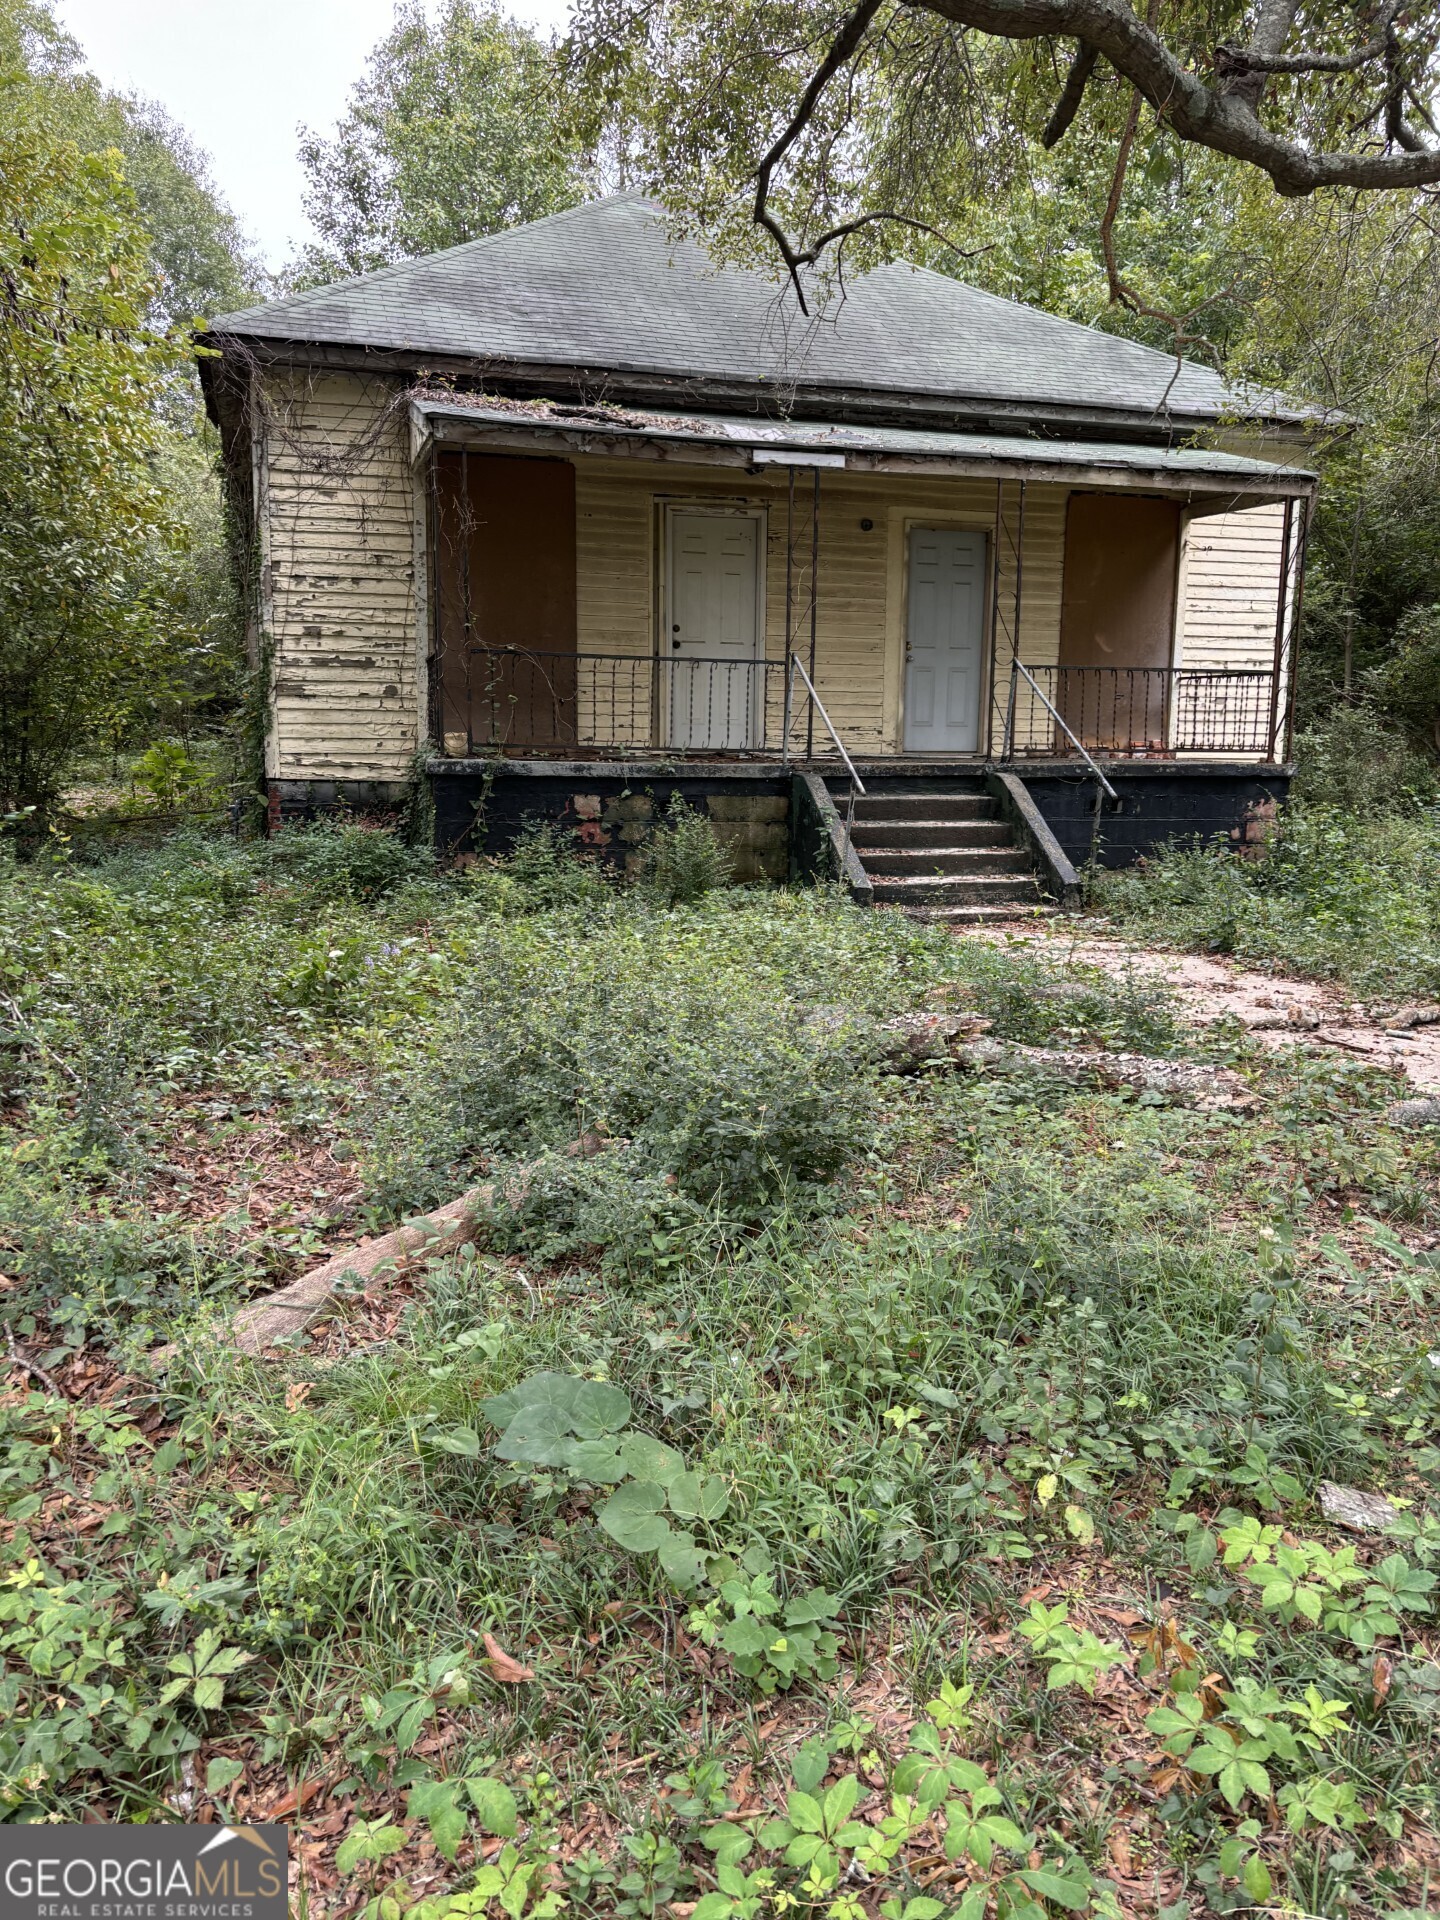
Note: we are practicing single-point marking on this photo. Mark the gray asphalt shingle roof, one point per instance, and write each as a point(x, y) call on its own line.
point(606, 287)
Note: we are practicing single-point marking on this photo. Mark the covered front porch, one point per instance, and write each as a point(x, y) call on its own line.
point(610, 586)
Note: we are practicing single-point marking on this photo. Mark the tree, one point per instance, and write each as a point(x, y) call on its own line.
point(453, 133)
point(834, 123)
point(84, 519)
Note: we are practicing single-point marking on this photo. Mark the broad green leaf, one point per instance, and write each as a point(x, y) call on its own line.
point(804, 1813)
point(817, 1604)
point(1256, 1878)
point(1073, 1894)
point(650, 1459)
point(1004, 1832)
point(633, 1518)
point(597, 1408)
point(555, 1390)
point(747, 1635)
point(681, 1561)
point(694, 1498)
point(966, 1777)
point(840, 1801)
point(221, 1773)
point(368, 1840)
point(729, 1844)
point(539, 1436)
point(433, 1801)
point(494, 1803)
point(809, 1765)
point(595, 1460)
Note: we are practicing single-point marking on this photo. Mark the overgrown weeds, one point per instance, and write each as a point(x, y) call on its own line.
point(1353, 898)
point(825, 1492)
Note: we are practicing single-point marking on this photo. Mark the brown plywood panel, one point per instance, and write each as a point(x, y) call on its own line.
point(1117, 611)
point(505, 579)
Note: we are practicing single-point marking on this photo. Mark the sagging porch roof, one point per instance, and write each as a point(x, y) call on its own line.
point(1200, 473)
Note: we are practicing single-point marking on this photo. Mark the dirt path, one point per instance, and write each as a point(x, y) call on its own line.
point(1279, 1011)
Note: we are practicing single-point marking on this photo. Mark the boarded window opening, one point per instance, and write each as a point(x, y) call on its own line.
point(504, 530)
point(1117, 616)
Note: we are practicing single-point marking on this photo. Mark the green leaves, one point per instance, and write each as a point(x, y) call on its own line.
point(1075, 1656)
point(697, 1498)
point(633, 1517)
point(1237, 1750)
point(203, 1671)
point(558, 1422)
point(548, 1407)
point(367, 1842)
point(442, 1805)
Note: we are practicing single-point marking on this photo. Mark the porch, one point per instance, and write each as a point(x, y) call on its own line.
point(610, 586)
point(519, 704)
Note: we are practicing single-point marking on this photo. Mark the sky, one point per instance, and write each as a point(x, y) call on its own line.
point(242, 76)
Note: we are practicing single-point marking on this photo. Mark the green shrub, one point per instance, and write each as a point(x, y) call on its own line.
point(682, 860)
point(545, 870)
point(1337, 895)
point(342, 860)
point(1355, 761)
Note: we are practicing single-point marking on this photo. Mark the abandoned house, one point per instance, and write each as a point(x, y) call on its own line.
point(927, 588)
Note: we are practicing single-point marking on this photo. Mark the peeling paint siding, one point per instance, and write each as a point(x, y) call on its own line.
point(1230, 583)
point(341, 592)
point(344, 605)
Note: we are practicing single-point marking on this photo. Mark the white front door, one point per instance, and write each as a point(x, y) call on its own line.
point(711, 676)
point(944, 640)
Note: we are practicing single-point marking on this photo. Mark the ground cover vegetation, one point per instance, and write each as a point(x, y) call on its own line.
point(1344, 890)
point(826, 1491)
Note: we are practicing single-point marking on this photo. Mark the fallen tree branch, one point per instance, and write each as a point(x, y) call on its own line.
point(293, 1308)
point(33, 1367)
point(1188, 1083)
point(915, 1041)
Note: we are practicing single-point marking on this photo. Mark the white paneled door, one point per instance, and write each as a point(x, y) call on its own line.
point(711, 673)
point(944, 640)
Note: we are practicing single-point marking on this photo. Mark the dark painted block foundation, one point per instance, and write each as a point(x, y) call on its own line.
point(612, 812)
point(482, 807)
point(1233, 805)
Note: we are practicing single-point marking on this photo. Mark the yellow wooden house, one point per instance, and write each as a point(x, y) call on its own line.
point(571, 519)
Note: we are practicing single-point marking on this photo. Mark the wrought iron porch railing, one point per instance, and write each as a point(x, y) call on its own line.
point(1143, 712)
point(511, 700)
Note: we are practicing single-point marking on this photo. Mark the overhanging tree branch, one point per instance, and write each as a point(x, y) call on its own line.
point(1226, 122)
point(1073, 92)
point(1223, 117)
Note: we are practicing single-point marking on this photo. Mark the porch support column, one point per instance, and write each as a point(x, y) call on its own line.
point(1297, 608)
point(814, 607)
point(1282, 622)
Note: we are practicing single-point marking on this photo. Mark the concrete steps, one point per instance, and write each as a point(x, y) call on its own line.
point(942, 852)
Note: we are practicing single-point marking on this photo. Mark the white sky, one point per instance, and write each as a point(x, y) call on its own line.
point(242, 76)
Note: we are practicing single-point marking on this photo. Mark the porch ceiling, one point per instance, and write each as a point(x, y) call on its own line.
point(735, 441)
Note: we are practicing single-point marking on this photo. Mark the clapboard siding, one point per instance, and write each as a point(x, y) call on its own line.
point(340, 598)
point(343, 607)
point(860, 617)
point(1230, 584)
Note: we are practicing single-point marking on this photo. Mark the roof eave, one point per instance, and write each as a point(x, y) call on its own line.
point(434, 423)
point(646, 385)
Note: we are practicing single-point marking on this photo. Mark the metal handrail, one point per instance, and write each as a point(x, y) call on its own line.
point(797, 665)
point(1017, 666)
